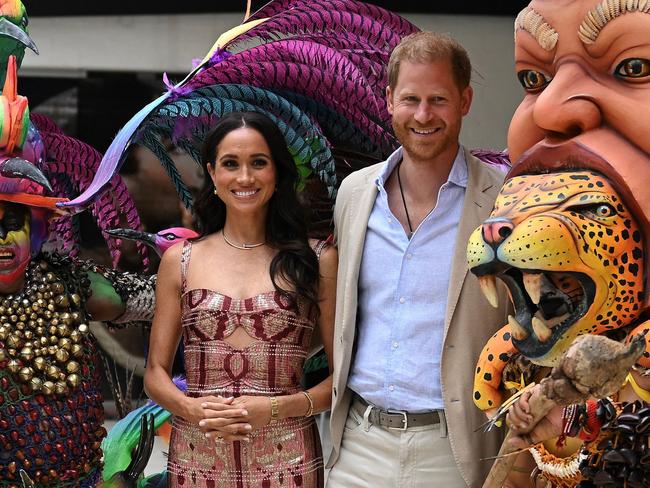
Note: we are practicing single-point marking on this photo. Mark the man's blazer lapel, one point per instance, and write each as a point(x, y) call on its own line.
point(479, 199)
point(362, 200)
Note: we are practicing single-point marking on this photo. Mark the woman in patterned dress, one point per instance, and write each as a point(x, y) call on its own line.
point(245, 298)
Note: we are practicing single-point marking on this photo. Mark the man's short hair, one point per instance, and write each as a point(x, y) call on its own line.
point(425, 47)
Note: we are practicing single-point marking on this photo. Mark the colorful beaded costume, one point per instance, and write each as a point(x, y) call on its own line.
point(51, 411)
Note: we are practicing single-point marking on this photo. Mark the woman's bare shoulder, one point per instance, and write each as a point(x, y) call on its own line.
point(329, 261)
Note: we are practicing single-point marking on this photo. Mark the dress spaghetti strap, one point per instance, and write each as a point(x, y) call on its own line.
point(319, 246)
point(185, 262)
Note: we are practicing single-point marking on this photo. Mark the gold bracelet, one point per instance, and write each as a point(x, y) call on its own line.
point(275, 410)
point(310, 412)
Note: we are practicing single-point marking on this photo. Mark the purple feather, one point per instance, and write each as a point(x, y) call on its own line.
point(174, 91)
point(75, 163)
point(218, 56)
point(500, 160)
point(305, 19)
point(341, 95)
point(389, 19)
point(350, 43)
point(45, 124)
point(313, 55)
point(113, 158)
point(179, 381)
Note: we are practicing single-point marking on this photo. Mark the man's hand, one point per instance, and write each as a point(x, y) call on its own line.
point(520, 420)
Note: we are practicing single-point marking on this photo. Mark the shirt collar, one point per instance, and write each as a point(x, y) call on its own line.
point(457, 176)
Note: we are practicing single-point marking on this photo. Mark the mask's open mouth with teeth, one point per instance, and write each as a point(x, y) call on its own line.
point(6, 256)
point(547, 304)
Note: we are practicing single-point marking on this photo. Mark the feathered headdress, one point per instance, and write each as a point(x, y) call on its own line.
point(315, 67)
point(70, 166)
point(40, 166)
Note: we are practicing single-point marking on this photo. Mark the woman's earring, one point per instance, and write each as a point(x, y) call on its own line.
point(215, 190)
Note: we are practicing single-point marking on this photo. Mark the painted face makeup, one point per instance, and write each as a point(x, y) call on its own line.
point(14, 243)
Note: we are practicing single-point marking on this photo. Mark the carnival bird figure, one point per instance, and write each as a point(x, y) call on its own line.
point(128, 442)
point(160, 241)
point(14, 37)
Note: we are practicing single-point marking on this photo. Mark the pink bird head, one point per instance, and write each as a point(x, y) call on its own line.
point(160, 241)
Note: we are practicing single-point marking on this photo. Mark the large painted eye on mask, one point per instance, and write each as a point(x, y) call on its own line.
point(596, 211)
point(533, 80)
point(633, 69)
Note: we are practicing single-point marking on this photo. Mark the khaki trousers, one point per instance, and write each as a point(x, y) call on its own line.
point(375, 457)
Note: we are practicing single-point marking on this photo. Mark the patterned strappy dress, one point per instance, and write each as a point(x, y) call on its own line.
point(284, 454)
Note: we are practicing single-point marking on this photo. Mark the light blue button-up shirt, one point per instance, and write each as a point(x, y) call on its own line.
point(403, 298)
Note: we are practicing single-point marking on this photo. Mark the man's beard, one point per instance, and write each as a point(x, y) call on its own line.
point(424, 151)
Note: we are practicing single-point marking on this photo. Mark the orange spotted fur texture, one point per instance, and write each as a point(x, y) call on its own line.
point(566, 229)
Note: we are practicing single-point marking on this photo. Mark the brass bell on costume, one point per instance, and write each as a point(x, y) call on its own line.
point(77, 350)
point(48, 387)
point(53, 372)
point(14, 365)
point(39, 362)
point(13, 341)
point(27, 354)
point(60, 387)
point(36, 384)
point(73, 380)
point(62, 355)
point(26, 374)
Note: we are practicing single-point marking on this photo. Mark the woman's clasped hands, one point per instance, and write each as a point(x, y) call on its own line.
point(232, 419)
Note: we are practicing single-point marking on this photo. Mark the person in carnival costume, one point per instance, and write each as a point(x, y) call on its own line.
point(51, 410)
point(569, 236)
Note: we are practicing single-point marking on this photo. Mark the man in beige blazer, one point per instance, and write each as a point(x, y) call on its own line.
point(422, 102)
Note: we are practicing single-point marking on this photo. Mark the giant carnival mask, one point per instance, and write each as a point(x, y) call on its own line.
point(568, 234)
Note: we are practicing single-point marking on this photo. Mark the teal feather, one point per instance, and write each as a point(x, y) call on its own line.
point(266, 99)
point(151, 142)
point(187, 120)
point(193, 151)
point(204, 113)
point(338, 129)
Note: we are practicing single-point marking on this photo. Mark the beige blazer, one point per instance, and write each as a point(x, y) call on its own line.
point(470, 320)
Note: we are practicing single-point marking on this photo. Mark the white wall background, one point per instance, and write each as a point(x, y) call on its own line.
point(71, 46)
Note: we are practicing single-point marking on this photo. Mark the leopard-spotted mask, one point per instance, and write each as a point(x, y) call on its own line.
point(571, 254)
